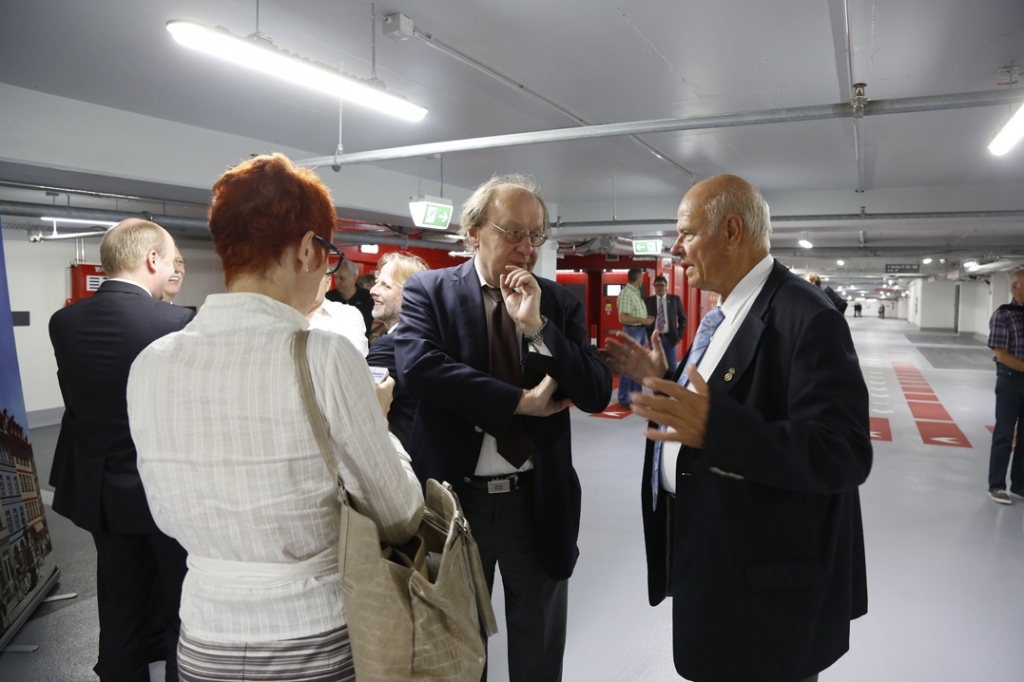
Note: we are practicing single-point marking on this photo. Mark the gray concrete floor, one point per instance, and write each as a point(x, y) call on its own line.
point(944, 562)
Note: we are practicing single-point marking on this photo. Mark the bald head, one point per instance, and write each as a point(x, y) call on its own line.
point(139, 251)
point(724, 230)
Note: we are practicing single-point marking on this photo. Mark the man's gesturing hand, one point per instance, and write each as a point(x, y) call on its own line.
point(684, 412)
point(624, 355)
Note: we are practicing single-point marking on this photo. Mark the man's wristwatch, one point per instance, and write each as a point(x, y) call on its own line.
point(537, 335)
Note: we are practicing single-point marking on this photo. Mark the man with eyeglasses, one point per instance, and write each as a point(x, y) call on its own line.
point(176, 279)
point(496, 355)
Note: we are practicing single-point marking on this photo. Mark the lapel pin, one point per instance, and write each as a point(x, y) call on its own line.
point(730, 373)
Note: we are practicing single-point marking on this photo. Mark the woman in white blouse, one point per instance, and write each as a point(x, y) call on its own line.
point(227, 456)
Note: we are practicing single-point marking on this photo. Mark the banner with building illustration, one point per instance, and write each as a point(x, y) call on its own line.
point(27, 567)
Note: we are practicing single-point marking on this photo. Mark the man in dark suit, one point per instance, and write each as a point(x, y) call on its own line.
point(96, 481)
point(751, 513)
point(393, 269)
point(495, 355)
point(669, 319)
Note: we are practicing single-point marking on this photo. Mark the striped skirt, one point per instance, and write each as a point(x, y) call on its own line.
point(320, 658)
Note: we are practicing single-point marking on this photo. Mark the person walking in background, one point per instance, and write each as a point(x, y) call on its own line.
point(94, 474)
point(669, 319)
point(1006, 339)
point(635, 320)
point(838, 301)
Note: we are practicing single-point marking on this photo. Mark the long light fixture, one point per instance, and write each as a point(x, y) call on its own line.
point(79, 221)
point(262, 55)
point(1009, 135)
point(806, 244)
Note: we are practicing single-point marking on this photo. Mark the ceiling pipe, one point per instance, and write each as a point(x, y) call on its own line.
point(997, 266)
point(816, 112)
point(829, 217)
point(852, 252)
point(432, 42)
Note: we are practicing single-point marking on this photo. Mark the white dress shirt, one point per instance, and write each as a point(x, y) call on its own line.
point(735, 308)
point(490, 462)
point(233, 472)
point(342, 319)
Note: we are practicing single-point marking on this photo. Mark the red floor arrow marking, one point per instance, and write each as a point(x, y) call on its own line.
point(880, 429)
point(942, 433)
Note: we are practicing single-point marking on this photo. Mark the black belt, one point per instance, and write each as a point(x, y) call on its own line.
point(505, 483)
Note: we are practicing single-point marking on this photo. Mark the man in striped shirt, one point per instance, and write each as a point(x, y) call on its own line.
point(635, 320)
point(1006, 338)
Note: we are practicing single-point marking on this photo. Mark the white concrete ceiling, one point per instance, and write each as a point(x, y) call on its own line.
point(604, 62)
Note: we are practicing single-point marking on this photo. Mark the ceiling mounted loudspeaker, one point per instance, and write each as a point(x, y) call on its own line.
point(433, 213)
point(257, 52)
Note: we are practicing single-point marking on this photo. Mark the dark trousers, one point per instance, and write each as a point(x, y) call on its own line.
point(536, 606)
point(130, 569)
point(638, 333)
point(1009, 414)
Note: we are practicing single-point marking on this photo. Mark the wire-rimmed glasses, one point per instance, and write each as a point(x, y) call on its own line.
point(515, 235)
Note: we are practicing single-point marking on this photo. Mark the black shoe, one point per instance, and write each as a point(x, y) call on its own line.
point(1000, 497)
point(625, 406)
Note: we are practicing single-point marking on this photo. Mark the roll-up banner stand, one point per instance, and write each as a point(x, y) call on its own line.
point(27, 568)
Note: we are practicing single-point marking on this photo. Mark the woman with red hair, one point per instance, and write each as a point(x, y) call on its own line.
point(228, 458)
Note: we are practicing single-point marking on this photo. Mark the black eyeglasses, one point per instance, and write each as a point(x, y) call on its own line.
point(332, 249)
point(515, 235)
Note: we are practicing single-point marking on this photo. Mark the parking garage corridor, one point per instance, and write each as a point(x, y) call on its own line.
point(944, 562)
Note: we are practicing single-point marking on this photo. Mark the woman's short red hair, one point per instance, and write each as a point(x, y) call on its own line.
point(262, 206)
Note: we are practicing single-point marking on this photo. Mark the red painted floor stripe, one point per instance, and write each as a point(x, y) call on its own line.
point(991, 429)
point(942, 433)
point(929, 411)
point(880, 429)
point(922, 397)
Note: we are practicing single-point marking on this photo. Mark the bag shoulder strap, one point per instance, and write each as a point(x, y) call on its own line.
point(313, 412)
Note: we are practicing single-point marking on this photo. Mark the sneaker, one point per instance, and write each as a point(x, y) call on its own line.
point(1000, 497)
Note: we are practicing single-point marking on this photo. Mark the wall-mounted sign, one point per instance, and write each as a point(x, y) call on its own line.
point(646, 247)
point(902, 268)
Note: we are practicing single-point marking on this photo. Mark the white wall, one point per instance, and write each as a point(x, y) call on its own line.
point(975, 307)
point(37, 279)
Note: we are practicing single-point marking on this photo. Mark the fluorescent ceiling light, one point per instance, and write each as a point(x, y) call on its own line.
point(460, 254)
point(1009, 135)
point(806, 244)
point(369, 248)
point(970, 265)
point(262, 55)
point(839, 262)
point(926, 261)
point(77, 221)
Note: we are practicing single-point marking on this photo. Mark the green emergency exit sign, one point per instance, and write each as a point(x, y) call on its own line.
point(646, 247)
point(431, 212)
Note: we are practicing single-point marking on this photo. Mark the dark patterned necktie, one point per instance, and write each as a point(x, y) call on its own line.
point(662, 324)
point(503, 353)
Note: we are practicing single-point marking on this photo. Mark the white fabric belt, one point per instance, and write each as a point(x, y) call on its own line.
point(256, 574)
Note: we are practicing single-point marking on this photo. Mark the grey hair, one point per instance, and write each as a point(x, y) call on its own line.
point(474, 211)
point(746, 202)
point(352, 268)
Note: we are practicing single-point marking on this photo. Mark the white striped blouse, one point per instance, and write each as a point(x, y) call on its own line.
point(232, 469)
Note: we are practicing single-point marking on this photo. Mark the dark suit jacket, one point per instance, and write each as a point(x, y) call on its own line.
point(674, 314)
point(838, 301)
point(441, 352)
point(403, 405)
point(95, 341)
point(767, 571)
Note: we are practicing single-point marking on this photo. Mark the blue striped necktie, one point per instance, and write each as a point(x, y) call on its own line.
point(700, 344)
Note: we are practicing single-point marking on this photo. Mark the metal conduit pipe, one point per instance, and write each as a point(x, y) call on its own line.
point(800, 254)
point(815, 112)
point(29, 210)
point(831, 217)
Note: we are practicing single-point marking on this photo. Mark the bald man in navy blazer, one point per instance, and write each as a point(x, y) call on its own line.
point(94, 474)
point(751, 513)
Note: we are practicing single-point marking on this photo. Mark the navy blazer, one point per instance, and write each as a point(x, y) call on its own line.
point(675, 316)
point(762, 548)
point(95, 341)
point(403, 405)
point(441, 353)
